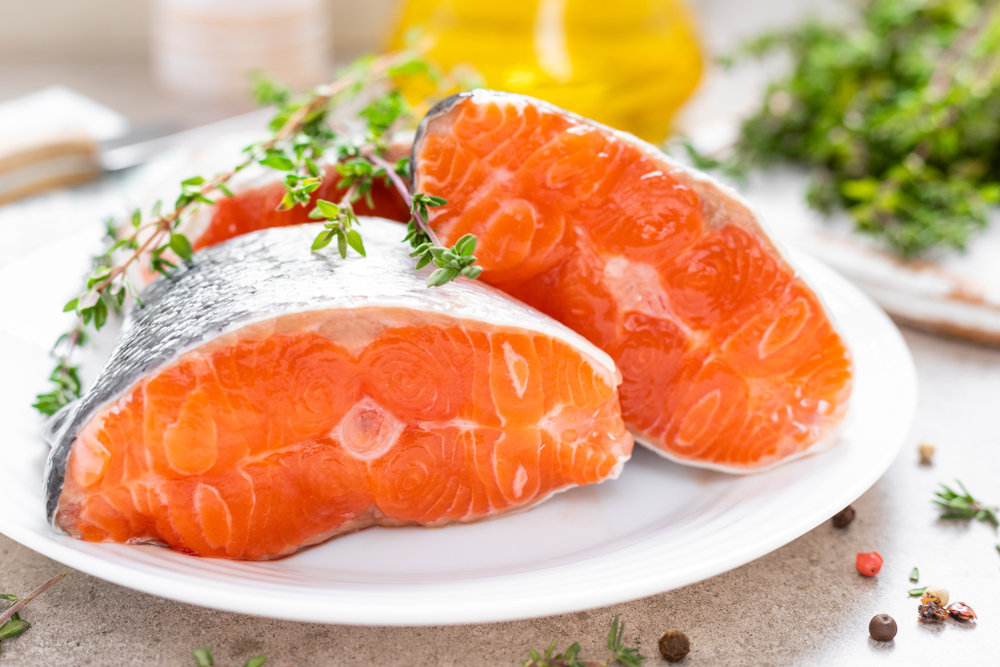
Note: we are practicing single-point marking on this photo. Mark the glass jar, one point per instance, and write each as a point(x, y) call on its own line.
point(627, 63)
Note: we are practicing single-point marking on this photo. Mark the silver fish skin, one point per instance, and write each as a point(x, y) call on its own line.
point(272, 272)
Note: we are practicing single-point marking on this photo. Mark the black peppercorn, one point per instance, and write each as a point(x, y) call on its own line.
point(674, 646)
point(882, 628)
point(844, 517)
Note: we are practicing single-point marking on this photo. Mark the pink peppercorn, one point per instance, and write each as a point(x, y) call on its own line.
point(868, 564)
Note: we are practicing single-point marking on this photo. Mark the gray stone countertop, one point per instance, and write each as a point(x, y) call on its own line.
point(802, 604)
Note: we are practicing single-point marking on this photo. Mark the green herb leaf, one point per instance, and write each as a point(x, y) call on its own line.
point(466, 245)
point(279, 162)
point(327, 209)
point(267, 91)
point(441, 276)
point(342, 245)
point(962, 505)
point(618, 653)
point(916, 592)
point(323, 239)
point(180, 245)
point(13, 628)
point(203, 657)
point(914, 574)
point(255, 662)
point(355, 241)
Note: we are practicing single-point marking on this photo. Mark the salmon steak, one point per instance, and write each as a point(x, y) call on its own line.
point(729, 359)
point(267, 398)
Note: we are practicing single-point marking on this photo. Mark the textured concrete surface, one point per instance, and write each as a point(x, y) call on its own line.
point(802, 604)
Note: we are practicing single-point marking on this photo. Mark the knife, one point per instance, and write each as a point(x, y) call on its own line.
point(58, 138)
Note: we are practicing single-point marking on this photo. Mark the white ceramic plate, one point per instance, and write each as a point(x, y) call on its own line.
point(658, 527)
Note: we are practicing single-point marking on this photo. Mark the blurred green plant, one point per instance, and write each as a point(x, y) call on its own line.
point(896, 115)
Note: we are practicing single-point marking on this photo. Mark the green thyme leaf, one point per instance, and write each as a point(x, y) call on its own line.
point(323, 239)
point(15, 627)
point(466, 245)
point(327, 209)
point(203, 657)
point(355, 241)
point(342, 245)
point(180, 245)
point(267, 91)
point(278, 162)
point(618, 653)
point(961, 504)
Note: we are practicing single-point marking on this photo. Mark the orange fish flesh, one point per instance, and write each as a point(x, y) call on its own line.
point(267, 398)
point(729, 359)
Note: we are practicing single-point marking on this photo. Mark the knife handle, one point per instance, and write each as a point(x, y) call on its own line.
point(35, 165)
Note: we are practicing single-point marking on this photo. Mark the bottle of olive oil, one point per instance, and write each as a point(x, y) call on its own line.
point(627, 63)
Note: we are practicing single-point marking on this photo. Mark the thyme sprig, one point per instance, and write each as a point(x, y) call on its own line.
point(955, 505)
point(11, 623)
point(618, 653)
point(65, 377)
point(452, 262)
point(304, 135)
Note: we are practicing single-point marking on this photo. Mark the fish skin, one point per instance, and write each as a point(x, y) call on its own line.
point(249, 279)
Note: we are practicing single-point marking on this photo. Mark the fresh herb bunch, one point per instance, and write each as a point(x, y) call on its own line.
point(618, 653)
point(895, 115)
point(304, 135)
point(955, 505)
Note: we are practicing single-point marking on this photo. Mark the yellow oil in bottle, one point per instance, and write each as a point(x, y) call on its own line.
point(627, 63)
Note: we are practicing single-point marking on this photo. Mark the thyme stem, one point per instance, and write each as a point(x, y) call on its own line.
point(301, 132)
point(165, 223)
point(17, 606)
point(407, 196)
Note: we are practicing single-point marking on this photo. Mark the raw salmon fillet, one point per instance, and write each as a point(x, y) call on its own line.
point(729, 359)
point(267, 398)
